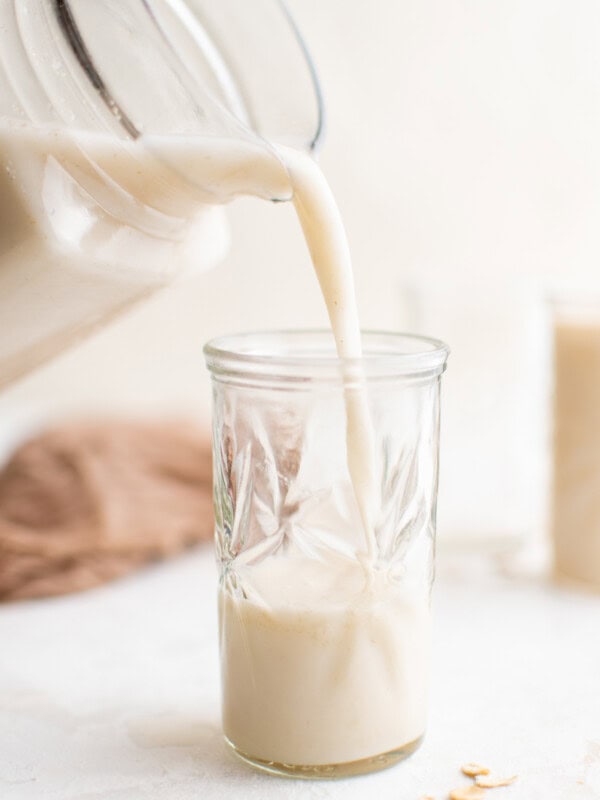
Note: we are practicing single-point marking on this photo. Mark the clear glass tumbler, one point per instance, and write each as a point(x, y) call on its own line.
point(324, 651)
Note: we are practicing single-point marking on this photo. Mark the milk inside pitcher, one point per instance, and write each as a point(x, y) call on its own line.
point(125, 125)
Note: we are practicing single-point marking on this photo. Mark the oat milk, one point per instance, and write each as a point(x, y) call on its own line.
point(576, 490)
point(326, 662)
point(321, 668)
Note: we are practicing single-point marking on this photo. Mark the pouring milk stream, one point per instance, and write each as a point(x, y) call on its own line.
point(325, 661)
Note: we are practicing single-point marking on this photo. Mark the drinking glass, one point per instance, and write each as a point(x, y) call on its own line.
point(324, 651)
point(575, 497)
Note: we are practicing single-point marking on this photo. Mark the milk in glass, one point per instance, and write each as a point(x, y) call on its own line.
point(325, 661)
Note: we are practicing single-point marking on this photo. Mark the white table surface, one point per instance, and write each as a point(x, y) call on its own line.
point(113, 695)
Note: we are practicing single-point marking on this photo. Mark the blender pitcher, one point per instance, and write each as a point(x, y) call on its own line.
point(124, 127)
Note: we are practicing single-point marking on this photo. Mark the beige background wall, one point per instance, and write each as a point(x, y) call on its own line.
point(463, 145)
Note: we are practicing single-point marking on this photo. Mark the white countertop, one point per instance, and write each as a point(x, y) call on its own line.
point(113, 695)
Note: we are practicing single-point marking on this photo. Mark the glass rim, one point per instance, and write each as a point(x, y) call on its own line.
point(574, 302)
point(309, 355)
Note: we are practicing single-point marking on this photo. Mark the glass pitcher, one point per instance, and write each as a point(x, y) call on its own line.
point(124, 127)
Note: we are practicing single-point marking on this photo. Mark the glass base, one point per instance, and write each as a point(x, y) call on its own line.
point(320, 771)
point(587, 585)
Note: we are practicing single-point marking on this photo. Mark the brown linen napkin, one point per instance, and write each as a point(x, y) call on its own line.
point(84, 503)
